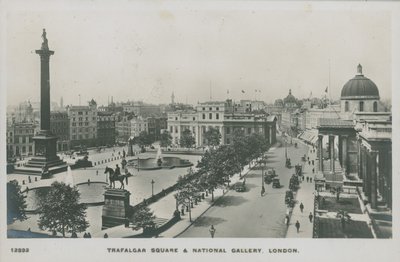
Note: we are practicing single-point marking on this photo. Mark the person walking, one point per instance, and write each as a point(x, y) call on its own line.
point(313, 170)
point(301, 207)
point(310, 179)
point(307, 179)
point(262, 191)
point(310, 216)
point(297, 225)
point(212, 231)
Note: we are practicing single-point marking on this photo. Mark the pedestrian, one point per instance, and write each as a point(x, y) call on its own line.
point(85, 235)
point(307, 179)
point(262, 191)
point(105, 235)
point(309, 162)
point(310, 179)
point(312, 162)
point(287, 218)
point(313, 170)
point(297, 226)
point(97, 172)
point(310, 216)
point(301, 207)
point(89, 235)
point(212, 231)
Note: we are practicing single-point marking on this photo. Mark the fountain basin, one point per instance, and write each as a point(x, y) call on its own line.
point(167, 163)
point(91, 194)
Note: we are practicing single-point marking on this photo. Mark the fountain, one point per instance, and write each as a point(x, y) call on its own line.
point(158, 156)
point(69, 179)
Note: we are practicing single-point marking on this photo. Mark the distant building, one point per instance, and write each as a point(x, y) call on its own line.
point(20, 138)
point(155, 126)
point(83, 125)
point(138, 125)
point(124, 127)
point(105, 128)
point(224, 116)
point(60, 127)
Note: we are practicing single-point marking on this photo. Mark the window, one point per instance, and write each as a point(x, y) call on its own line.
point(210, 115)
point(176, 118)
point(210, 108)
point(228, 131)
point(361, 106)
point(217, 108)
point(228, 141)
point(375, 106)
point(194, 118)
point(204, 116)
point(204, 108)
point(249, 130)
point(217, 115)
point(171, 129)
point(346, 106)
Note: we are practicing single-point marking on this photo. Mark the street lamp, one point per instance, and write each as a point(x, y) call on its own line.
point(152, 187)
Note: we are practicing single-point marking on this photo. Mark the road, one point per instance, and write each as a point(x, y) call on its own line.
point(247, 214)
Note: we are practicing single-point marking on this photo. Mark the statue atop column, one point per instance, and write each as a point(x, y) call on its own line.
point(45, 45)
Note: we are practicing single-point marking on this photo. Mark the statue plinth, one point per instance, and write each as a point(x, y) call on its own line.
point(116, 208)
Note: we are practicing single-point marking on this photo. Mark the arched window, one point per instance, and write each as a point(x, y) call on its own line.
point(375, 106)
point(361, 106)
point(346, 106)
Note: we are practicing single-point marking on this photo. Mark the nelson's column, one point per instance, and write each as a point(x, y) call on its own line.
point(45, 143)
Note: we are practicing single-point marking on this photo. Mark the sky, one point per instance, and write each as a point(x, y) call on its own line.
point(147, 51)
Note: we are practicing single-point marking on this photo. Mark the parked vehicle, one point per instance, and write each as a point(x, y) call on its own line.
point(239, 187)
point(276, 183)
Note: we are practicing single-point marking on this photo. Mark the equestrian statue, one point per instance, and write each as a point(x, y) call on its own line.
point(117, 176)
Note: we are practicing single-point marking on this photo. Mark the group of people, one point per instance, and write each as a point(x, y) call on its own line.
point(310, 217)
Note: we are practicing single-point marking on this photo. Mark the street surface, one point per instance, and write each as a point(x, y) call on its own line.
point(248, 214)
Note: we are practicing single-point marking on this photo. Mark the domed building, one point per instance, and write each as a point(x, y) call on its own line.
point(290, 101)
point(360, 94)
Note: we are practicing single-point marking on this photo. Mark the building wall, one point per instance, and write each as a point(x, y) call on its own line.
point(20, 139)
point(83, 125)
point(138, 125)
point(354, 105)
point(105, 128)
point(60, 127)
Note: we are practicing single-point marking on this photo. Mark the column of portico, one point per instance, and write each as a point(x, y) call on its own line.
point(340, 153)
point(332, 154)
point(320, 153)
point(373, 166)
point(389, 179)
point(365, 171)
point(359, 158)
point(344, 154)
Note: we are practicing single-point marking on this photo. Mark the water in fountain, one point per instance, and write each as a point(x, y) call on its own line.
point(158, 156)
point(69, 180)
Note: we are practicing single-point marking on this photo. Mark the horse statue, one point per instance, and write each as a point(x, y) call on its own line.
point(117, 177)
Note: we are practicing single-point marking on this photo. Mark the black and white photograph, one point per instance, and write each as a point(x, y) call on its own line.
point(199, 130)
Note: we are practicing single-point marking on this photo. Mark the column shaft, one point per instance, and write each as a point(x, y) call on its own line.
point(320, 153)
point(332, 149)
point(344, 155)
point(373, 197)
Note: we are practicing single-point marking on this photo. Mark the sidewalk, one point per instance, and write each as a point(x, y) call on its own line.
point(304, 195)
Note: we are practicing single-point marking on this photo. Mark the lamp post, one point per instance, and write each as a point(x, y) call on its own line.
point(152, 187)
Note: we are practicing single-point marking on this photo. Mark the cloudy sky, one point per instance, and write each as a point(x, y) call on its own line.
point(147, 51)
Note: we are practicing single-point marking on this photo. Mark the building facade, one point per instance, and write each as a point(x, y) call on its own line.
point(60, 127)
point(83, 125)
point(105, 128)
point(20, 139)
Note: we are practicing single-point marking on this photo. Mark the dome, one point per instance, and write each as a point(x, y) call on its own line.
point(360, 87)
point(290, 98)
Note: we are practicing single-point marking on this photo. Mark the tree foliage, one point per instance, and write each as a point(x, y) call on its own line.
point(165, 139)
point(143, 218)
point(61, 211)
point(144, 139)
point(187, 139)
point(213, 137)
point(15, 202)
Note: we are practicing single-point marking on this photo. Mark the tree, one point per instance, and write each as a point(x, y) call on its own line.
point(187, 139)
point(186, 192)
point(143, 218)
point(213, 137)
point(15, 202)
point(144, 139)
point(165, 139)
point(61, 211)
